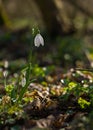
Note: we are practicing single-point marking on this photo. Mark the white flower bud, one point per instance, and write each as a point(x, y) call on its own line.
point(5, 73)
point(23, 82)
point(6, 64)
point(38, 40)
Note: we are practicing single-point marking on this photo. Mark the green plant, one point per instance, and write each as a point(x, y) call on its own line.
point(12, 102)
point(38, 40)
point(82, 93)
point(83, 103)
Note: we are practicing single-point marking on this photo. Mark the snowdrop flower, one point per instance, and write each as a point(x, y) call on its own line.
point(38, 40)
point(5, 73)
point(6, 64)
point(23, 82)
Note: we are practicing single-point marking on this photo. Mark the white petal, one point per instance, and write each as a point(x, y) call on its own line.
point(38, 40)
point(41, 40)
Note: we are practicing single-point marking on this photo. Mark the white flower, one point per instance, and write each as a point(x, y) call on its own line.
point(38, 40)
point(6, 64)
point(23, 82)
point(5, 73)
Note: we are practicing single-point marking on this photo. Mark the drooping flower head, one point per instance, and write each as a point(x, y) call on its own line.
point(38, 40)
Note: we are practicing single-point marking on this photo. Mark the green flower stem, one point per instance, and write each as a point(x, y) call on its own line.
point(5, 82)
point(28, 69)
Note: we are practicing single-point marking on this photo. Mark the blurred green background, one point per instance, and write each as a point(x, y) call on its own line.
point(66, 25)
